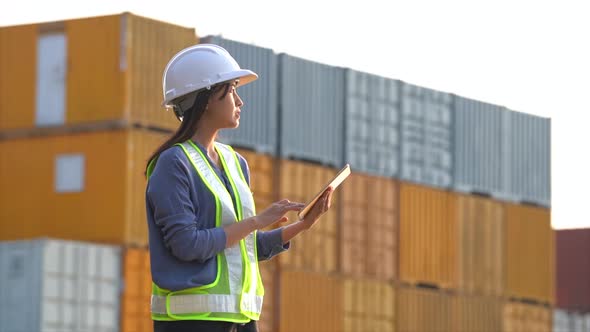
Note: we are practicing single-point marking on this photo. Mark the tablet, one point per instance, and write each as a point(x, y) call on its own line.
point(335, 182)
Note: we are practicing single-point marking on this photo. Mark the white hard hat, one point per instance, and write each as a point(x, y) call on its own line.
point(200, 67)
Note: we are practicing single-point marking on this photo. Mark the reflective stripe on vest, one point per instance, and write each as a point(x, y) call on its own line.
point(244, 295)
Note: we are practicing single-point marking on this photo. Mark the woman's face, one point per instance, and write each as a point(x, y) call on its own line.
point(225, 113)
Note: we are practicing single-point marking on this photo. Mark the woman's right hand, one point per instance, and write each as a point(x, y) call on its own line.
point(276, 213)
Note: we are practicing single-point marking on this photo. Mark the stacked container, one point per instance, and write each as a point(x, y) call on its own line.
point(79, 118)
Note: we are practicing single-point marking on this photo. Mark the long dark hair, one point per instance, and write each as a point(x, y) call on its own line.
point(189, 119)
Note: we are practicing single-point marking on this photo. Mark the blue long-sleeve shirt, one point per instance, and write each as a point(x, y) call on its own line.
point(183, 239)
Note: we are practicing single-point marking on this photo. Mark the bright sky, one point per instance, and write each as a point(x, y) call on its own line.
point(530, 56)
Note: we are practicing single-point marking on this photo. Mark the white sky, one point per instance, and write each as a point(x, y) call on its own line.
point(530, 56)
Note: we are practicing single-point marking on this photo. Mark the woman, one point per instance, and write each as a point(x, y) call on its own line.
point(204, 262)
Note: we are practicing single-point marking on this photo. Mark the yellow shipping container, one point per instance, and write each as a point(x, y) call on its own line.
point(428, 236)
point(368, 305)
point(481, 314)
point(481, 235)
point(368, 227)
point(314, 250)
point(106, 69)
point(310, 302)
point(423, 310)
point(529, 253)
point(82, 186)
point(520, 317)
point(135, 300)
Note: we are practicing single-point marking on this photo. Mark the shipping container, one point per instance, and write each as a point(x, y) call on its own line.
point(59, 286)
point(420, 309)
point(310, 302)
point(258, 128)
point(426, 140)
point(88, 70)
point(573, 269)
point(368, 305)
point(478, 133)
point(311, 108)
point(368, 227)
point(371, 123)
point(476, 313)
point(529, 254)
point(522, 317)
point(527, 158)
point(137, 291)
point(270, 307)
point(481, 233)
point(567, 321)
point(316, 249)
point(81, 186)
point(428, 236)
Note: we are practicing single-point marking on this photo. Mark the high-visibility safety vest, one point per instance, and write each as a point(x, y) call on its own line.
point(237, 291)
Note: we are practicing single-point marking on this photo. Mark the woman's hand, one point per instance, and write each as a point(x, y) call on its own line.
point(320, 207)
point(276, 213)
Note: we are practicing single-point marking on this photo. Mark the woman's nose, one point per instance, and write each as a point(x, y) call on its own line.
point(239, 102)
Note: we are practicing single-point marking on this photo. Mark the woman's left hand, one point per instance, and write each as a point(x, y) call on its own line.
point(320, 207)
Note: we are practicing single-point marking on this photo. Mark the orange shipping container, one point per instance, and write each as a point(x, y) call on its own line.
point(368, 305)
point(82, 186)
point(86, 71)
point(481, 314)
point(314, 250)
point(368, 227)
point(135, 300)
point(423, 310)
point(480, 226)
point(428, 236)
point(529, 253)
point(310, 302)
point(520, 317)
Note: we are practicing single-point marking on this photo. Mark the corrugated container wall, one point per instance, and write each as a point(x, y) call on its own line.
point(310, 302)
point(428, 236)
point(426, 140)
point(368, 305)
point(420, 309)
point(87, 70)
point(17, 82)
point(371, 123)
point(566, 321)
point(270, 306)
point(137, 290)
point(150, 44)
point(258, 128)
point(478, 155)
point(368, 227)
point(521, 317)
point(311, 107)
point(476, 314)
point(529, 254)
point(64, 179)
point(573, 269)
point(315, 250)
point(527, 167)
point(59, 286)
point(481, 237)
